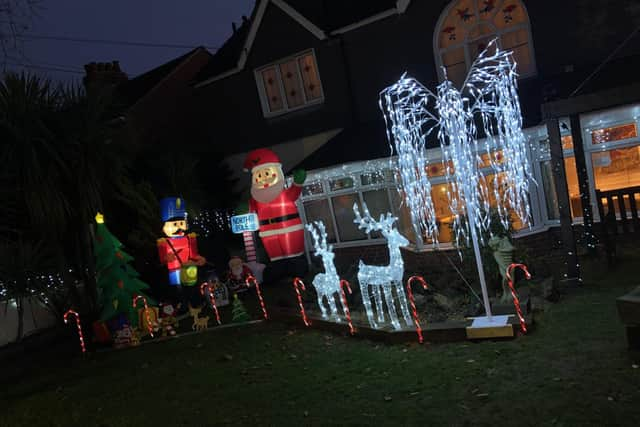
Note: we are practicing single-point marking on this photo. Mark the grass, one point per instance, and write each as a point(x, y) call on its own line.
point(573, 370)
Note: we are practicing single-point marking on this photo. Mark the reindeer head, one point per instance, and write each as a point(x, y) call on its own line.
point(320, 245)
point(384, 225)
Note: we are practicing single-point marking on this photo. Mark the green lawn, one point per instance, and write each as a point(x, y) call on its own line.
point(573, 369)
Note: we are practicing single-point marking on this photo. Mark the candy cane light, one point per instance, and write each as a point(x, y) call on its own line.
point(212, 298)
point(514, 295)
point(80, 336)
point(416, 319)
point(251, 279)
point(297, 285)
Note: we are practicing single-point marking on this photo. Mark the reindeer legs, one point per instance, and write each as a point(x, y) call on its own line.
point(402, 299)
point(366, 300)
point(331, 299)
point(391, 306)
point(379, 306)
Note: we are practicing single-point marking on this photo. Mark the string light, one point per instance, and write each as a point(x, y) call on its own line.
point(80, 336)
point(516, 301)
point(383, 278)
point(413, 303)
point(297, 285)
point(490, 92)
point(327, 284)
point(251, 279)
point(212, 298)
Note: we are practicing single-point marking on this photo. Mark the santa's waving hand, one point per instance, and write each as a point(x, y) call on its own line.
point(281, 228)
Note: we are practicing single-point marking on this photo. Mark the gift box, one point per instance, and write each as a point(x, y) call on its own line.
point(101, 333)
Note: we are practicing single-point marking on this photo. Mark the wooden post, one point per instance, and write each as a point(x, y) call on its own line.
point(572, 275)
point(583, 184)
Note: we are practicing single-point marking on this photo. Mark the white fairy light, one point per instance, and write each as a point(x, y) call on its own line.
point(327, 284)
point(489, 94)
point(383, 278)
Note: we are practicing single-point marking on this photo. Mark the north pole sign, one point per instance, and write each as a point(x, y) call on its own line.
point(243, 223)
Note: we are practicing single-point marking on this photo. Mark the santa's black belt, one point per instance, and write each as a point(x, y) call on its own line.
point(279, 219)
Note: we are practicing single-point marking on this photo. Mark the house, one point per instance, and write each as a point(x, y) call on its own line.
point(303, 77)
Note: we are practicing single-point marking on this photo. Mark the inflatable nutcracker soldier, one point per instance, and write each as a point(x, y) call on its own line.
point(178, 250)
point(281, 228)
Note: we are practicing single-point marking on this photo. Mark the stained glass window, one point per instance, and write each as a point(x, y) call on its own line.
point(290, 84)
point(467, 26)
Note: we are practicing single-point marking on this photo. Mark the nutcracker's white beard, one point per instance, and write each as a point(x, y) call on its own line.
point(266, 195)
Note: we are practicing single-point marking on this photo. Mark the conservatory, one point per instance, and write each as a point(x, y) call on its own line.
point(612, 158)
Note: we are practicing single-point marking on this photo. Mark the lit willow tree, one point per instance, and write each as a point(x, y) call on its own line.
point(488, 96)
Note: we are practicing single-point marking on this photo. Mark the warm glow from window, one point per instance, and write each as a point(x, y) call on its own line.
point(614, 133)
point(574, 188)
point(469, 26)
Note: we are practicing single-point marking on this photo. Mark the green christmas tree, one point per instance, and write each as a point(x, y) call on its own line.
point(238, 311)
point(117, 281)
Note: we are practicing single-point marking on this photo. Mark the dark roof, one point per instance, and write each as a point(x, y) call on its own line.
point(365, 141)
point(227, 56)
point(326, 14)
point(330, 15)
point(132, 90)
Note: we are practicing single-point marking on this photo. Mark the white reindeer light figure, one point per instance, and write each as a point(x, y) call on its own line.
point(388, 277)
point(327, 284)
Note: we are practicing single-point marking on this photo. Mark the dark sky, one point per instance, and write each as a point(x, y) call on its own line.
point(190, 22)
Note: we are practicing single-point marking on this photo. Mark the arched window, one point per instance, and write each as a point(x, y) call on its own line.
point(465, 28)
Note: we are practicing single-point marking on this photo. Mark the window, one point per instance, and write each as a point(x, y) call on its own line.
point(289, 85)
point(467, 26)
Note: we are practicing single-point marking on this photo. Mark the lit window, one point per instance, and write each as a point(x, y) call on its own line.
point(617, 169)
point(290, 84)
point(614, 133)
point(467, 26)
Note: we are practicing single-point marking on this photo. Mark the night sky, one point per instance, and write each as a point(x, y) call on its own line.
point(192, 23)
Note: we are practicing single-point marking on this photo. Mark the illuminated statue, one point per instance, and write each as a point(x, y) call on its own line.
point(327, 284)
point(386, 278)
point(488, 96)
point(281, 228)
point(178, 250)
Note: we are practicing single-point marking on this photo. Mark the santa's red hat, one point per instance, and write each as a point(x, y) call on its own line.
point(261, 157)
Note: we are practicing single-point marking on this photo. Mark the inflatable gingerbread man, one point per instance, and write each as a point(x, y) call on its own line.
point(281, 228)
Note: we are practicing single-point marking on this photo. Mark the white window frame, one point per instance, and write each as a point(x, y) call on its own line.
point(438, 52)
point(264, 101)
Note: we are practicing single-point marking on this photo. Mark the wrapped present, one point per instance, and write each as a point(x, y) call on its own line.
point(143, 326)
point(101, 333)
point(126, 337)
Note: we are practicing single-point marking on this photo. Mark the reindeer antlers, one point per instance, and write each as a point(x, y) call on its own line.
point(368, 224)
point(319, 239)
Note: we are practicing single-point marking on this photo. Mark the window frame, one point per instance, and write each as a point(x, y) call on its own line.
point(264, 101)
point(465, 44)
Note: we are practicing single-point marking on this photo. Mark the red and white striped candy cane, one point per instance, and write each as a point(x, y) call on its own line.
point(250, 278)
point(413, 304)
point(212, 298)
point(79, 327)
point(516, 301)
point(146, 311)
point(347, 313)
point(298, 283)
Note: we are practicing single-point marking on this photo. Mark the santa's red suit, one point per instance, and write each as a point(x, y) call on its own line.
point(281, 228)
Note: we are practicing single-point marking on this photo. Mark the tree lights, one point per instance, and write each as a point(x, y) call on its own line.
point(488, 97)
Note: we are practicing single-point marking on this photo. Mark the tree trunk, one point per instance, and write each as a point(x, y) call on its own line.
point(20, 309)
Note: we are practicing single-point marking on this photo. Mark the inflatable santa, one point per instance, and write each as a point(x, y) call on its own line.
point(281, 229)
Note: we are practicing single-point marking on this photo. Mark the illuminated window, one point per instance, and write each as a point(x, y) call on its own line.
point(574, 189)
point(290, 84)
point(318, 210)
point(614, 133)
point(467, 26)
point(617, 169)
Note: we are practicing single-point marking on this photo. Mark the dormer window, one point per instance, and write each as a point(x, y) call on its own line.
point(290, 84)
point(467, 26)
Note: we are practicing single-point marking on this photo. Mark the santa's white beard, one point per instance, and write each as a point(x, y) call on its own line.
point(266, 195)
